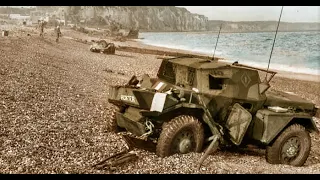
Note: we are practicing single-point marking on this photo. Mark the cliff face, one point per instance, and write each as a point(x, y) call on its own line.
point(149, 18)
point(169, 18)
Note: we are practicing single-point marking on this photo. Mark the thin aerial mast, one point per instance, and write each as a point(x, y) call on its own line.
point(216, 43)
point(274, 40)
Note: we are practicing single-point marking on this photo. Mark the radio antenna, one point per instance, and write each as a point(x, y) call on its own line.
point(216, 43)
point(274, 40)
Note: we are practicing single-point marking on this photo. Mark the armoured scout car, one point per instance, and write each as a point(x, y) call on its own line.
point(194, 101)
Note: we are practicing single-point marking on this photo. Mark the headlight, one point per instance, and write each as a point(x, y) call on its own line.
point(277, 109)
point(195, 90)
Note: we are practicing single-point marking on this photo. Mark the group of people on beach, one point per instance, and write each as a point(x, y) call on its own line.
point(42, 24)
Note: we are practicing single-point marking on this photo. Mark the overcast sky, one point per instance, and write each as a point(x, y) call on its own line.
point(258, 13)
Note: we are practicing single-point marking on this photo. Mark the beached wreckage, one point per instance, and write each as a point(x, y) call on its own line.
point(102, 46)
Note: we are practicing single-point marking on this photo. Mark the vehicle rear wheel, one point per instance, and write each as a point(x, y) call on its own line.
point(292, 147)
point(183, 134)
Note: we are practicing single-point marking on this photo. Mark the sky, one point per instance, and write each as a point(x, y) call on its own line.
point(258, 13)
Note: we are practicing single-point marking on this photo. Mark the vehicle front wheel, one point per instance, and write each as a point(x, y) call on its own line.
point(112, 121)
point(183, 134)
point(292, 147)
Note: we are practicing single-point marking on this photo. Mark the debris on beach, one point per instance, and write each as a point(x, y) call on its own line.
point(102, 46)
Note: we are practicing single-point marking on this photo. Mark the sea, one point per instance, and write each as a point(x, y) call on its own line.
point(297, 52)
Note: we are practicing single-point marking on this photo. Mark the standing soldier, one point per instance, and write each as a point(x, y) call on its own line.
point(41, 27)
point(58, 33)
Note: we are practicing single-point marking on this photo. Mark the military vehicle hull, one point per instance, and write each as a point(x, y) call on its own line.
point(194, 101)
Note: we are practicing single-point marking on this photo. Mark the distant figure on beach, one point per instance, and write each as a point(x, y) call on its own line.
point(41, 27)
point(58, 33)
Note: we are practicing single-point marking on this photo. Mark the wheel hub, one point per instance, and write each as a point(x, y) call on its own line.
point(291, 149)
point(185, 145)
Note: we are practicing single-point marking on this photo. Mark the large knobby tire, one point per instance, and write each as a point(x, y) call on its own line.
point(292, 147)
point(112, 121)
point(183, 134)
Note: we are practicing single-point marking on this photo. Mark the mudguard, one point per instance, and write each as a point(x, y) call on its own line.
point(143, 99)
point(206, 116)
point(268, 124)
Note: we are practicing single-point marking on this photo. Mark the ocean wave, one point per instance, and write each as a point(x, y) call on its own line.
point(184, 47)
point(293, 52)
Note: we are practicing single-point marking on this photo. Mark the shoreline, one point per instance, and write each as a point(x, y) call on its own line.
point(298, 76)
point(213, 31)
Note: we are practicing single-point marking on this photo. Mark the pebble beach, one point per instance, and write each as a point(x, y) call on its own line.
point(54, 111)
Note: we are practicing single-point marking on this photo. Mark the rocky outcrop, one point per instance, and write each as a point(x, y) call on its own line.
point(147, 18)
point(133, 34)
